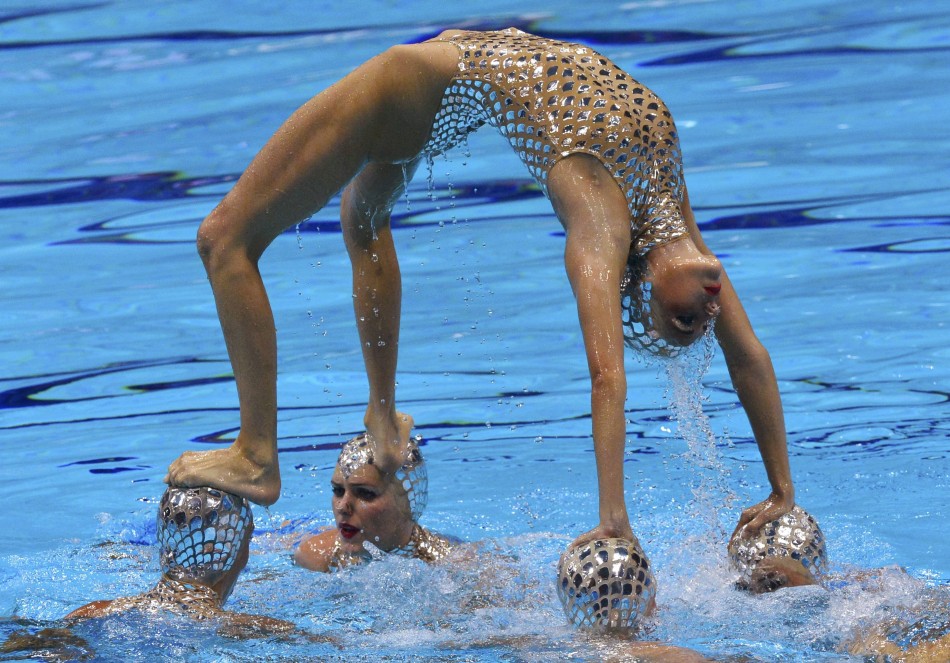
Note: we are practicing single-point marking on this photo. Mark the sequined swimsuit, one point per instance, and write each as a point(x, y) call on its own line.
point(194, 600)
point(428, 546)
point(552, 99)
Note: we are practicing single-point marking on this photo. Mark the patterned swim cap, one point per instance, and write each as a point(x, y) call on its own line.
point(412, 475)
point(639, 329)
point(795, 535)
point(606, 583)
point(201, 532)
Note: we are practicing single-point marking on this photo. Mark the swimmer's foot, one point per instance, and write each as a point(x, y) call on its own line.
point(229, 470)
point(604, 531)
point(391, 454)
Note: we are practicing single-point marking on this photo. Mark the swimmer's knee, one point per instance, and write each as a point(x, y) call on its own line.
point(205, 241)
point(217, 242)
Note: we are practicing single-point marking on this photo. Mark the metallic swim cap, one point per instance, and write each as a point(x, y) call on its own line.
point(639, 330)
point(412, 475)
point(201, 531)
point(606, 583)
point(795, 535)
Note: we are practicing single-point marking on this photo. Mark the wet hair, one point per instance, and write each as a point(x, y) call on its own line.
point(605, 584)
point(201, 532)
point(412, 475)
point(796, 535)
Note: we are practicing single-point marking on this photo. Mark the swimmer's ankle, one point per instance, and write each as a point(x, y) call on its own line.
point(260, 452)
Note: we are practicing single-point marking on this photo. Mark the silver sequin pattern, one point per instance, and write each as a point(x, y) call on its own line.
point(201, 531)
point(796, 535)
point(197, 601)
point(606, 583)
point(412, 475)
point(423, 544)
point(551, 99)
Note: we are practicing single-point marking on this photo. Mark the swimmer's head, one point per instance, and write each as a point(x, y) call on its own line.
point(606, 584)
point(788, 552)
point(376, 507)
point(670, 298)
point(204, 535)
point(412, 476)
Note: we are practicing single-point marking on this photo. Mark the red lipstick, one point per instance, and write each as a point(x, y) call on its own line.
point(348, 531)
point(713, 289)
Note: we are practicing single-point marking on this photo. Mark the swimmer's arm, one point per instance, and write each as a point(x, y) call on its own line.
point(315, 552)
point(245, 626)
point(594, 259)
point(753, 376)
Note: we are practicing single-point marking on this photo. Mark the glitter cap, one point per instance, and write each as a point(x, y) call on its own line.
point(605, 583)
point(411, 475)
point(201, 531)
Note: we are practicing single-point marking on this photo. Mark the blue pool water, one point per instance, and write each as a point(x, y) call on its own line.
point(817, 147)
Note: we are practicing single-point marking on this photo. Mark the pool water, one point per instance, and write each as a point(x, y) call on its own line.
point(815, 137)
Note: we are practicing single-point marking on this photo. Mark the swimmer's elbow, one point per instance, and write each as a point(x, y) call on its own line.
point(608, 382)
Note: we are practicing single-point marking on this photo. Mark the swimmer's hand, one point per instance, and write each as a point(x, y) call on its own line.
point(757, 516)
point(606, 531)
point(390, 439)
point(228, 469)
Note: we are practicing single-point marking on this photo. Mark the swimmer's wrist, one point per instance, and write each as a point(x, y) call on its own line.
point(784, 491)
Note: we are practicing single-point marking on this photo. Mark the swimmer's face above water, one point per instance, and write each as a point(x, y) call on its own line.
point(685, 292)
point(370, 506)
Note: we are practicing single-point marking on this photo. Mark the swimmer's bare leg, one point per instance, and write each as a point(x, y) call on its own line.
point(381, 112)
point(311, 157)
point(377, 298)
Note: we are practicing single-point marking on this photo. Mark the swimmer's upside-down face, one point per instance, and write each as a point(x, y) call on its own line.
point(369, 505)
point(685, 297)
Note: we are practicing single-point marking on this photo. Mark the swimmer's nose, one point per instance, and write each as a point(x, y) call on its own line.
point(713, 271)
point(342, 504)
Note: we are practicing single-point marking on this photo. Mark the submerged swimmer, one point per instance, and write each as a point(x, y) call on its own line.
point(375, 507)
point(790, 552)
point(916, 634)
point(204, 536)
point(604, 149)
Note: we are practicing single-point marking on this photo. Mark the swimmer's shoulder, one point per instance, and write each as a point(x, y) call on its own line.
point(315, 552)
point(91, 610)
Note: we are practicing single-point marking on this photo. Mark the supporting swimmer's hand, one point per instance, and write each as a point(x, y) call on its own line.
point(390, 439)
point(606, 531)
point(229, 470)
point(755, 517)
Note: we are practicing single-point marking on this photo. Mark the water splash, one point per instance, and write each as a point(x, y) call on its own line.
point(430, 177)
point(406, 178)
point(711, 492)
